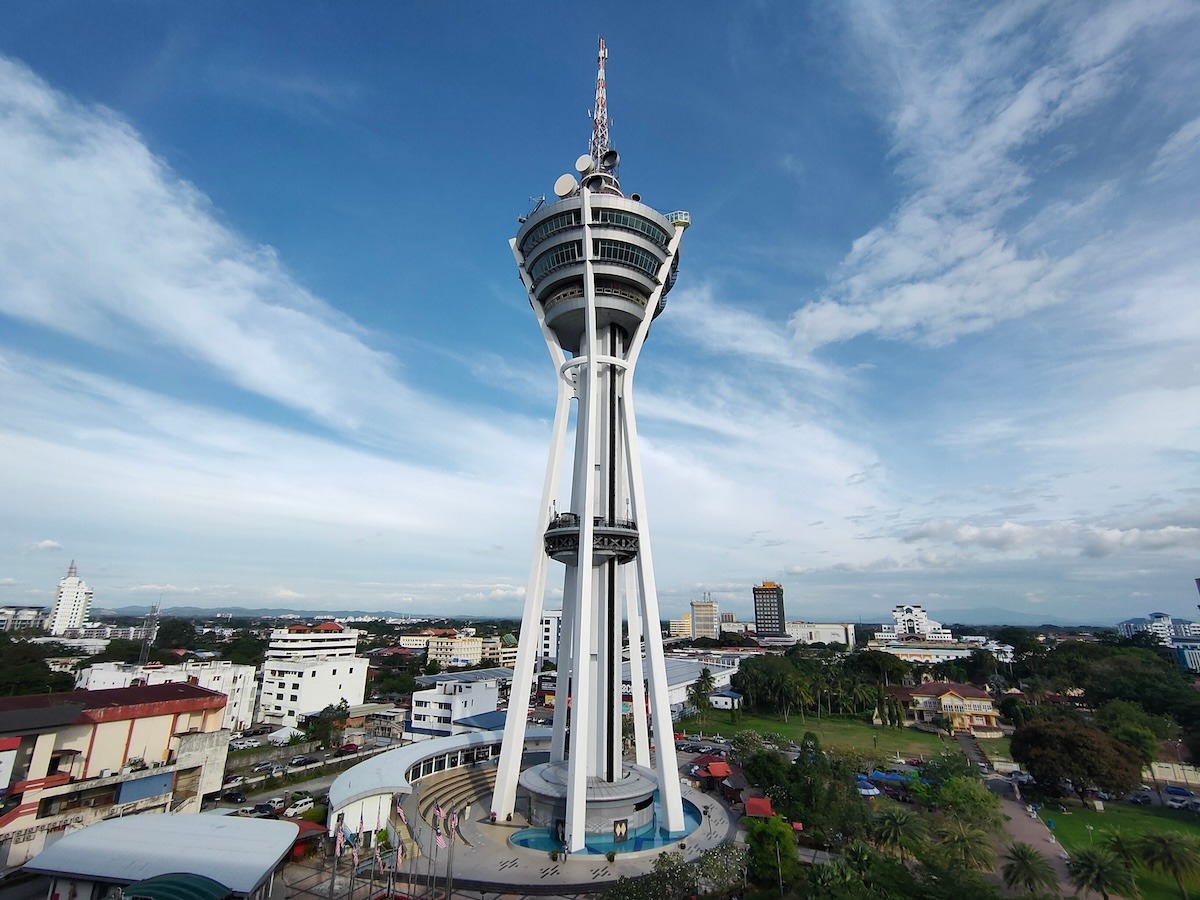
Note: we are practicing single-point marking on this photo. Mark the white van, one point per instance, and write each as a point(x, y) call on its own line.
point(301, 806)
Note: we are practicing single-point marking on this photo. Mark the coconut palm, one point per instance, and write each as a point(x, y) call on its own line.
point(900, 830)
point(1127, 848)
point(1172, 854)
point(1100, 870)
point(1025, 868)
point(967, 846)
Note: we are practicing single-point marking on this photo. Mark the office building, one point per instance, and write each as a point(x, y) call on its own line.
point(238, 683)
point(308, 668)
point(769, 617)
point(706, 619)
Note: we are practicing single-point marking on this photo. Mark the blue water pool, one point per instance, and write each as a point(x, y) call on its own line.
point(650, 838)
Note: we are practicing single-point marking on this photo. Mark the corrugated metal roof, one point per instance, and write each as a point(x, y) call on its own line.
point(238, 853)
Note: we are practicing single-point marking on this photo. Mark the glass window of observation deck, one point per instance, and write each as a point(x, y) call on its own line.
point(626, 254)
point(623, 219)
point(555, 257)
point(567, 219)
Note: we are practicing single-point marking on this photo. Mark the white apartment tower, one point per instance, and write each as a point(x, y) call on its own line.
point(597, 265)
point(308, 668)
point(551, 630)
point(71, 603)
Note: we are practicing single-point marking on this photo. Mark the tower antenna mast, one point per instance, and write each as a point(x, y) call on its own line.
point(599, 144)
point(149, 632)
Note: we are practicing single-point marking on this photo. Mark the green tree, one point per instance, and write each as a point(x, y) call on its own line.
point(968, 800)
point(327, 726)
point(966, 845)
point(700, 693)
point(1100, 870)
point(1172, 854)
point(722, 867)
point(1025, 868)
point(674, 874)
point(1063, 750)
point(771, 850)
point(1126, 848)
point(23, 669)
point(900, 830)
point(175, 633)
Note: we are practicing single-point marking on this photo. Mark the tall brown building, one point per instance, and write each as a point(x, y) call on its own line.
point(768, 609)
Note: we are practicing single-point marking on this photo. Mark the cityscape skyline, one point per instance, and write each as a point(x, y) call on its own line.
point(932, 342)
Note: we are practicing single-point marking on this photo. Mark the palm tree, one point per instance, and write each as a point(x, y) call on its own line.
point(967, 846)
point(1099, 869)
point(1127, 849)
point(1027, 869)
point(899, 829)
point(1172, 854)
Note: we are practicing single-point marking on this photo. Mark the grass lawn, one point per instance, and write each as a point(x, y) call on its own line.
point(835, 733)
point(1072, 832)
point(996, 747)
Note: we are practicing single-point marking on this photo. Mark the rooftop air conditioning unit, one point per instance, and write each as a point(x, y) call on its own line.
point(106, 773)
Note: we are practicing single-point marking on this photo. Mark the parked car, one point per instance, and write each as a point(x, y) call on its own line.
point(299, 807)
point(234, 797)
point(277, 771)
point(1176, 791)
point(264, 811)
point(232, 780)
point(276, 803)
point(346, 750)
point(302, 760)
point(1141, 799)
point(244, 744)
point(264, 766)
point(1178, 803)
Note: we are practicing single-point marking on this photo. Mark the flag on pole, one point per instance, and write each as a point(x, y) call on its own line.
point(452, 824)
point(354, 854)
point(400, 813)
point(378, 858)
point(358, 843)
point(438, 812)
point(339, 846)
point(441, 840)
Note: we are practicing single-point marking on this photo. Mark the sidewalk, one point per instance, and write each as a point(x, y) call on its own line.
point(1033, 831)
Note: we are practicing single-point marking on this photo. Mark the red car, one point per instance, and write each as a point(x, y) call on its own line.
point(347, 749)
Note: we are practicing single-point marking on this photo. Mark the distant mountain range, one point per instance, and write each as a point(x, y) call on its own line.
point(985, 615)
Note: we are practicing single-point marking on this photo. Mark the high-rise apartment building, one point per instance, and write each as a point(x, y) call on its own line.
point(309, 668)
point(706, 619)
point(551, 632)
point(768, 609)
point(71, 603)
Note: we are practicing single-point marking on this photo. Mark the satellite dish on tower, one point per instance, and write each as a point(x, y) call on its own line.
point(565, 185)
point(611, 160)
point(583, 164)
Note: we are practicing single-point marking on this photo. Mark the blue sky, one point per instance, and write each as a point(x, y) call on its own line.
point(262, 342)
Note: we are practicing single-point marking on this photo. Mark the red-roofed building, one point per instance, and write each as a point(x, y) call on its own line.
point(965, 706)
point(70, 759)
point(759, 807)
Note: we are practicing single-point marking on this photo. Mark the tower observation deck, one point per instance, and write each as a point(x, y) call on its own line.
point(597, 266)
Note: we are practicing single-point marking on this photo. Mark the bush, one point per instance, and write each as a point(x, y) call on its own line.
point(611, 856)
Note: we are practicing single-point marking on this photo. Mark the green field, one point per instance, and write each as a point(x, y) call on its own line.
point(834, 732)
point(996, 747)
point(1071, 828)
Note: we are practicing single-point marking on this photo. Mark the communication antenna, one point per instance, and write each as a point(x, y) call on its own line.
point(149, 630)
point(599, 145)
point(537, 204)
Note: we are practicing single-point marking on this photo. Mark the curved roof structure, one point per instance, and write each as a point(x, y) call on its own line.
point(238, 853)
point(387, 773)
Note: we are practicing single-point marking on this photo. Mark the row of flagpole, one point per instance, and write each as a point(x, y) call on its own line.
point(443, 836)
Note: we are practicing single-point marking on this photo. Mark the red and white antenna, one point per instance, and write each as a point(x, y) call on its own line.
point(599, 145)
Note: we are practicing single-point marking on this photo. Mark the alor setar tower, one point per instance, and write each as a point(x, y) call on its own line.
point(597, 264)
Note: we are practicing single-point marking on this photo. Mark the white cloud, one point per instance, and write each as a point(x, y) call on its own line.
point(45, 545)
point(1179, 150)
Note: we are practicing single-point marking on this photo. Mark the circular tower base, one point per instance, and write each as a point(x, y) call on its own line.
point(617, 809)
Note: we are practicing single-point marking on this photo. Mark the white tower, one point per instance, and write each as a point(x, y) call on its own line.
point(597, 265)
point(71, 603)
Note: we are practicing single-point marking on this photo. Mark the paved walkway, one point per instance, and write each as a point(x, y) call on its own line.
point(485, 863)
point(1021, 826)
